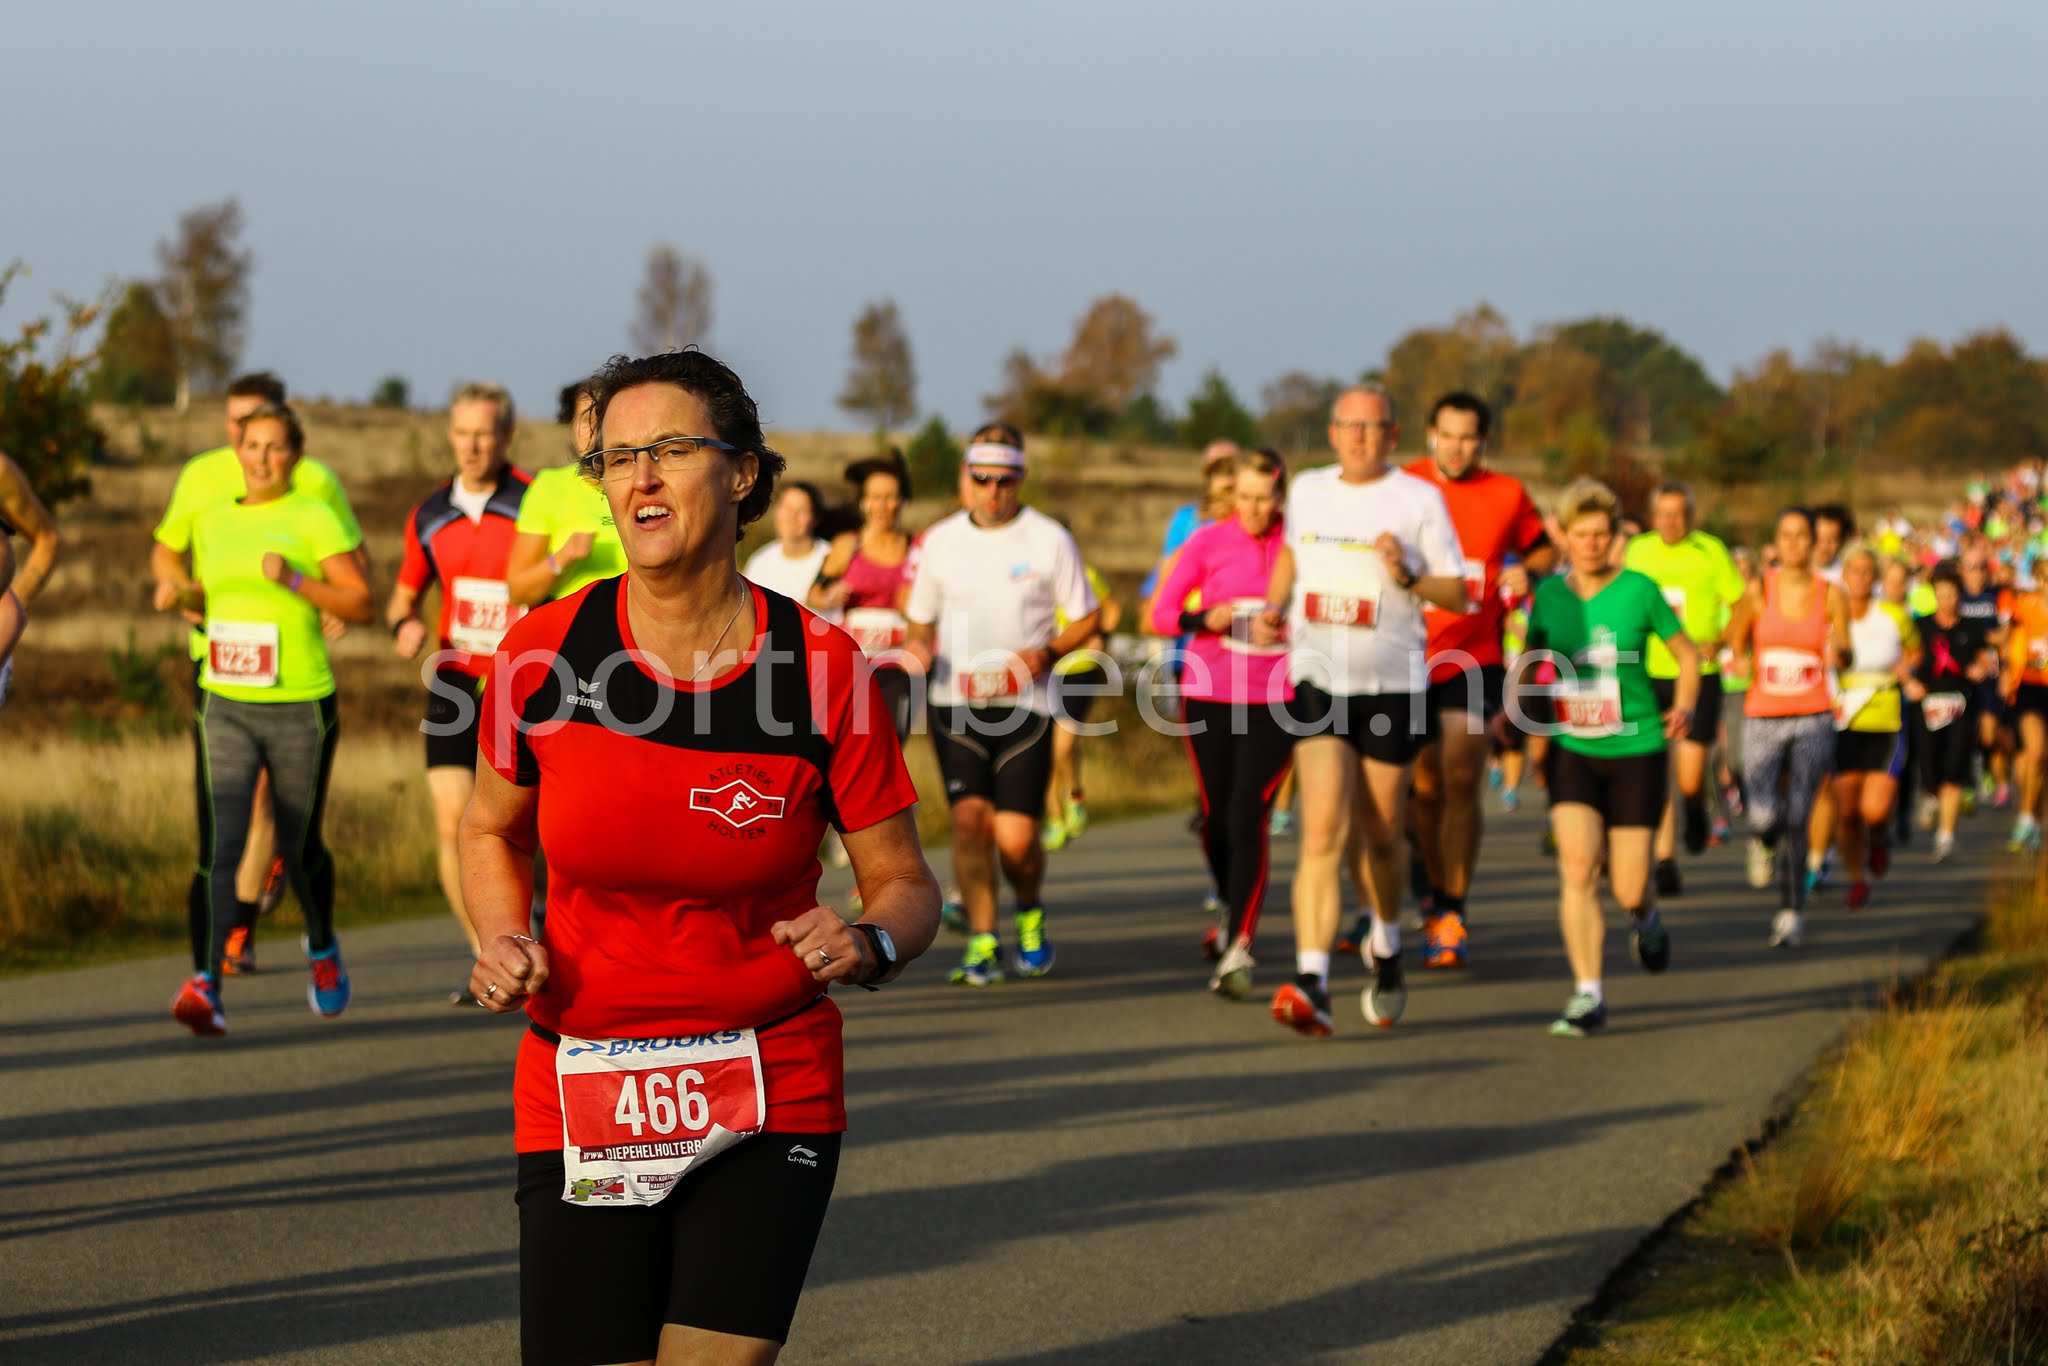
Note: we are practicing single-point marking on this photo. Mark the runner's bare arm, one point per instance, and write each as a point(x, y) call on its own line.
point(1741, 622)
point(1685, 692)
point(899, 894)
point(921, 642)
point(828, 593)
point(497, 838)
point(527, 576)
point(401, 614)
point(1077, 633)
point(341, 594)
point(1839, 645)
point(19, 504)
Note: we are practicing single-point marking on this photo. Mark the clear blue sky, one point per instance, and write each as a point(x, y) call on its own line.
point(447, 190)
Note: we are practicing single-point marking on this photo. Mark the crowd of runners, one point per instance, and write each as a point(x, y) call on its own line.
point(1367, 652)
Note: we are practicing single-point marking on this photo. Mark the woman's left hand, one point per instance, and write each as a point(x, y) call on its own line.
point(824, 944)
point(1677, 722)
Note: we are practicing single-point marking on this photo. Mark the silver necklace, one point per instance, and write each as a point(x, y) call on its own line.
point(712, 653)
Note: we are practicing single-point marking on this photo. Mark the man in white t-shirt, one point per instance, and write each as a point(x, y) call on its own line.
point(992, 582)
point(1367, 546)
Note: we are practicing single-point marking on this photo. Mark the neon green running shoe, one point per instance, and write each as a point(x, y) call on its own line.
point(983, 965)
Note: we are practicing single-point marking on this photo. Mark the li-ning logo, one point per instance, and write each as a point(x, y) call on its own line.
point(804, 1155)
point(583, 696)
point(738, 803)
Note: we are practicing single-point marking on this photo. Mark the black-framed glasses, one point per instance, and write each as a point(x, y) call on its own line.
point(1001, 481)
point(669, 454)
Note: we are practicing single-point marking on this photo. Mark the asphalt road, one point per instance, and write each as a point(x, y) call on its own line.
point(1106, 1165)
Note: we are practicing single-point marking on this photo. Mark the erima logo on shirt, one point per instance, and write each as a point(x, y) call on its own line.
point(583, 697)
point(738, 803)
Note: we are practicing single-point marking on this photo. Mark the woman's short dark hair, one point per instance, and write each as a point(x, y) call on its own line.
point(893, 464)
point(810, 491)
point(1948, 572)
point(566, 401)
point(734, 417)
point(1802, 512)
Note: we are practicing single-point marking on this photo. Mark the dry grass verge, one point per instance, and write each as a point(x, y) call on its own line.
point(97, 839)
point(1903, 1214)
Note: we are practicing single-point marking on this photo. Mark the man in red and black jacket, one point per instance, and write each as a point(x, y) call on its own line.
point(460, 537)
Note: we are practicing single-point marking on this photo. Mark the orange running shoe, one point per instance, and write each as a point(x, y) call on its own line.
point(1443, 940)
point(197, 1007)
point(240, 959)
point(1304, 1007)
point(273, 887)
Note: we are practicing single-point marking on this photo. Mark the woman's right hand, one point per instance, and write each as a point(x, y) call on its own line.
point(511, 968)
point(1217, 618)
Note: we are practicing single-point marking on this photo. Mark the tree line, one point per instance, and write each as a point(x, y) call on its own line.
point(1601, 395)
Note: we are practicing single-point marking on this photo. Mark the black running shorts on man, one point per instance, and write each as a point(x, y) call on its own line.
point(1002, 755)
point(1386, 727)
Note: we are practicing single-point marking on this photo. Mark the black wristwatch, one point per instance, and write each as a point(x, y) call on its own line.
point(884, 950)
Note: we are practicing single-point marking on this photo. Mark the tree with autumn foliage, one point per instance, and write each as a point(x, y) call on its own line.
point(204, 294)
point(46, 421)
point(881, 386)
point(1114, 358)
point(674, 303)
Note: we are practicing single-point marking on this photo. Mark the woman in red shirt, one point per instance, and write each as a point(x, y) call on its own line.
point(680, 739)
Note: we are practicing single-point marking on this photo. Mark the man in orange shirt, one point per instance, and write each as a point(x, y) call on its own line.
point(1504, 545)
point(2025, 682)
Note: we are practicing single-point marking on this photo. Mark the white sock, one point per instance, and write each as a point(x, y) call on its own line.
point(1592, 989)
point(1385, 937)
point(1314, 963)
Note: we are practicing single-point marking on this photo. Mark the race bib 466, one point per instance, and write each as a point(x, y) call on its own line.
point(638, 1113)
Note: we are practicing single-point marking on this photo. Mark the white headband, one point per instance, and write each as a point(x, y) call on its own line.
point(995, 453)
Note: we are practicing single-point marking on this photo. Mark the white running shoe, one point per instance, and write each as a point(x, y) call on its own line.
point(1233, 979)
point(1927, 811)
point(1788, 929)
point(1761, 857)
point(1944, 845)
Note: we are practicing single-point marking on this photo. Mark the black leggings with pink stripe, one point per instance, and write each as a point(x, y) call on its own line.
point(1241, 751)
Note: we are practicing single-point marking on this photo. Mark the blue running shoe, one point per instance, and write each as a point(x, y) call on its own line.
point(328, 992)
point(983, 965)
point(953, 915)
point(1034, 950)
point(1649, 942)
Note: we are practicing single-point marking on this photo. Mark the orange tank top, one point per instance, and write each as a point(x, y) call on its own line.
point(1790, 677)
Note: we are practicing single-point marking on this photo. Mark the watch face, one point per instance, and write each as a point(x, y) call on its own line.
point(886, 944)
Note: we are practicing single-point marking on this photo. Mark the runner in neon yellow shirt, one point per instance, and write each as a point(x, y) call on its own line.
point(207, 479)
point(1076, 683)
point(1698, 578)
point(565, 537)
point(270, 564)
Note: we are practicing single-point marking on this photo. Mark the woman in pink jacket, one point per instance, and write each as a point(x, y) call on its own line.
point(1237, 695)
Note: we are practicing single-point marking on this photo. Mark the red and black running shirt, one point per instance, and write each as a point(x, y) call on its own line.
point(681, 821)
point(442, 543)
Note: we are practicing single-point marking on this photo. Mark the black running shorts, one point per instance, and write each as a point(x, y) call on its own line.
point(2032, 699)
point(726, 1252)
point(1471, 698)
point(1074, 695)
point(1386, 727)
point(1626, 791)
point(1706, 713)
point(1000, 754)
point(453, 715)
point(1869, 751)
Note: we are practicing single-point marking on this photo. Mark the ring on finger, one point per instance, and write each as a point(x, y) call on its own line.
point(823, 958)
point(491, 990)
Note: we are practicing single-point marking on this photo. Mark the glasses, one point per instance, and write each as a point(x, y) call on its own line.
point(1362, 426)
point(1001, 481)
point(668, 454)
